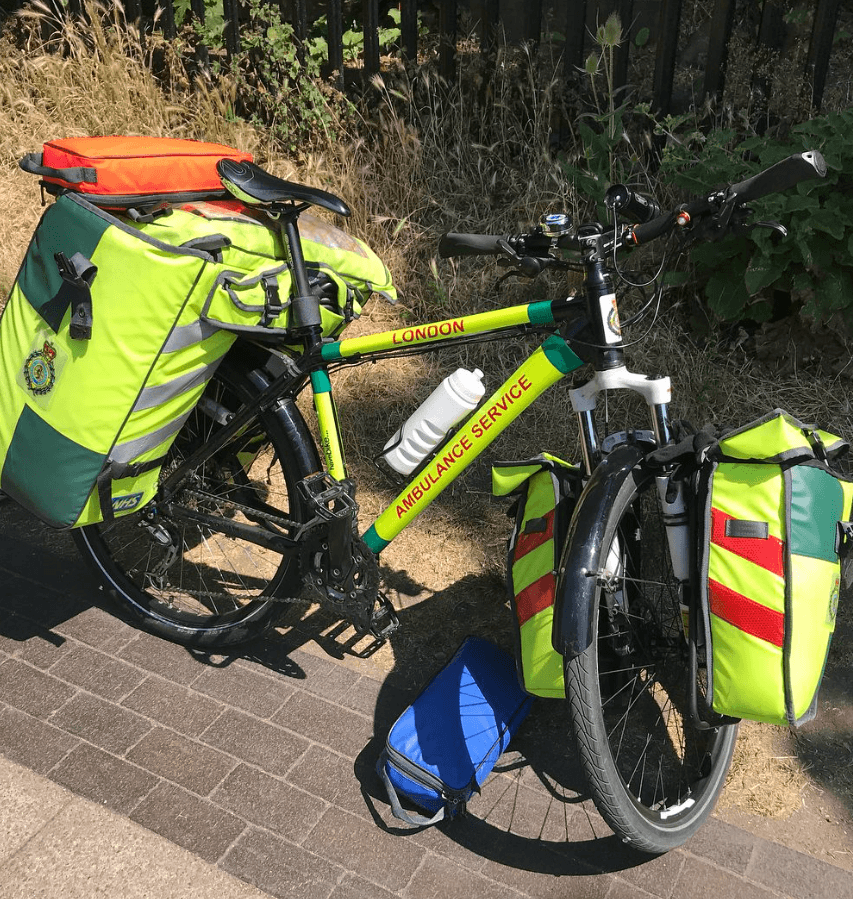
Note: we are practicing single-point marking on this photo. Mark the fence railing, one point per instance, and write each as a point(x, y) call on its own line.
point(571, 17)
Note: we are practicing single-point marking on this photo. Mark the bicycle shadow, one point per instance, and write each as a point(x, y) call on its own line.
point(533, 813)
point(44, 582)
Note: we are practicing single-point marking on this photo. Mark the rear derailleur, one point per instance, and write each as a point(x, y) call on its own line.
point(340, 572)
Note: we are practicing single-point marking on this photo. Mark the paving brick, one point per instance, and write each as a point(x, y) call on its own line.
point(196, 824)
point(655, 875)
point(377, 856)
point(796, 874)
point(268, 656)
point(536, 871)
point(245, 689)
point(97, 672)
point(725, 845)
point(701, 880)
point(323, 773)
point(352, 887)
point(382, 703)
point(621, 889)
point(323, 678)
point(170, 661)
point(32, 742)
point(440, 878)
point(99, 628)
point(457, 840)
point(175, 706)
point(29, 641)
point(102, 723)
point(512, 808)
point(103, 778)
point(324, 722)
point(262, 744)
point(175, 757)
point(280, 868)
point(269, 802)
point(32, 690)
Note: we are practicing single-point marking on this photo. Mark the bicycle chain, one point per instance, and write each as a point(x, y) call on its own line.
point(371, 585)
point(255, 513)
point(248, 511)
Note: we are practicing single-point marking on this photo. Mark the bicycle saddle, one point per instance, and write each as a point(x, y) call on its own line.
point(251, 184)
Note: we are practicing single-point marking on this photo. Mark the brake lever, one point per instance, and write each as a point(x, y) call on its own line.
point(778, 228)
point(509, 252)
point(524, 266)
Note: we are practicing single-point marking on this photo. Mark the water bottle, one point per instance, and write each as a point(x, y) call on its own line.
point(456, 396)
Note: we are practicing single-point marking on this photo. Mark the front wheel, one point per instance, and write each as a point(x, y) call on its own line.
point(653, 774)
point(193, 584)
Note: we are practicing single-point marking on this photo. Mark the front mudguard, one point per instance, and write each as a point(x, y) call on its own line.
point(574, 604)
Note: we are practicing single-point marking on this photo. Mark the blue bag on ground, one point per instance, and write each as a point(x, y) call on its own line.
point(442, 748)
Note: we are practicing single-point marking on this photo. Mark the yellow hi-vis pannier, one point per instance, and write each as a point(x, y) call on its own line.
point(774, 523)
point(113, 328)
point(547, 489)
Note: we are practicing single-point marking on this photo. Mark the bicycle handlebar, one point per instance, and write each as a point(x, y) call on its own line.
point(452, 244)
point(778, 178)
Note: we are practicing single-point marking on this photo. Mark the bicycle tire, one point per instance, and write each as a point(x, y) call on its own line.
point(207, 596)
point(653, 775)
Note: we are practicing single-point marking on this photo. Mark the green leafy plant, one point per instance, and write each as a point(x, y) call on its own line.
point(353, 37)
point(813, 263)
point(211, 32)
point(279, 89)
point(604, 152)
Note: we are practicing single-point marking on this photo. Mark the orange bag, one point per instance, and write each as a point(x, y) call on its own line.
point(119, 172)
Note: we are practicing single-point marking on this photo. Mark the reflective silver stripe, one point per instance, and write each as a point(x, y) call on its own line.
point(127, 452)
point(188, 335)
point(161, 393)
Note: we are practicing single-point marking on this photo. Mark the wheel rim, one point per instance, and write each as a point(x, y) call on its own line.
point(184, 572)
point(668, 767)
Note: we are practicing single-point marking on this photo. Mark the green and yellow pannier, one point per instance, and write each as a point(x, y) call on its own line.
point(547, 489)
point(114, 327)
point(774, 509)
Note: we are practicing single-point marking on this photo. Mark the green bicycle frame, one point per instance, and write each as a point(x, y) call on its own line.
point(542, 369)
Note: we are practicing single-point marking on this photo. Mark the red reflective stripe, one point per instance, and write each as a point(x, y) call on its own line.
point(528, 542)
point(535, 598)
point(769, 553)
point(747, 615)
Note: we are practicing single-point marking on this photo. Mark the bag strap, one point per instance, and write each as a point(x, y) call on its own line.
point(78, 272)
point(115, 471)
point(411, 818)
point(32, 163)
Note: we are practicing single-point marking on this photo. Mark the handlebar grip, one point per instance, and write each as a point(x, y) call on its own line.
point(470, 245)
point(781, 176)
point(654, 228)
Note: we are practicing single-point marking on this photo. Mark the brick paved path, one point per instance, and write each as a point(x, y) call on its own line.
point(262, 763)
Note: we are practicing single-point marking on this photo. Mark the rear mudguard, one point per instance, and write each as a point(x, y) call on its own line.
point(574, 605)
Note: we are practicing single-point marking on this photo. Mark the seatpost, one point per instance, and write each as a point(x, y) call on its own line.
point(305, 307)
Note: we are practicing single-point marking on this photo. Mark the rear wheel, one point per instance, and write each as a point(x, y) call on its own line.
point(653, 774)
point(188, 582)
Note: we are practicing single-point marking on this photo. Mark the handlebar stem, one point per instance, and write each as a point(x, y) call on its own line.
point(602, 311)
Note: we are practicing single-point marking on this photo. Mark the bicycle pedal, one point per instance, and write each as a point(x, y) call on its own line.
point(383, 619)
point(327, 498)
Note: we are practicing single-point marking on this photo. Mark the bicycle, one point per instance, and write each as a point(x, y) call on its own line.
point(250, 512)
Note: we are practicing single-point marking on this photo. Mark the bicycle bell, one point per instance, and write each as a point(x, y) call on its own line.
point(555, 224)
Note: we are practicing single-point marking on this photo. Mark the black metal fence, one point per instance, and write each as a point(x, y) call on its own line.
point(570, 17)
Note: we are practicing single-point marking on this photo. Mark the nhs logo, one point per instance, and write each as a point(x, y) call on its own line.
point(126, 503)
